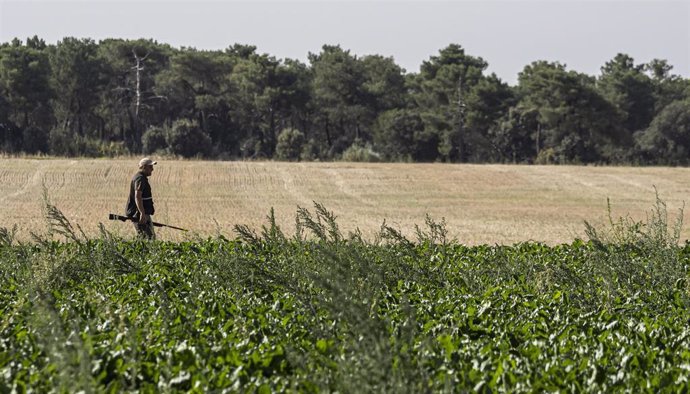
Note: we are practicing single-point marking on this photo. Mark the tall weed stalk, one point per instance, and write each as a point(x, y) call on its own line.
point(349, 278)
point(639, 258)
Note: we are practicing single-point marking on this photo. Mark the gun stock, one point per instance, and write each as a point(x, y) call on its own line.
point(113, 216)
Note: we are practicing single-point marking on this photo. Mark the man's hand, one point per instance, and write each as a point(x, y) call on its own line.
point(143, 218)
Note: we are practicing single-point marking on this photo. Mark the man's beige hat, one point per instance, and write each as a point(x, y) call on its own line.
point(146, 162)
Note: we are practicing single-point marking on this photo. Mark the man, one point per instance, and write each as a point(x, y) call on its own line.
point(140, 202)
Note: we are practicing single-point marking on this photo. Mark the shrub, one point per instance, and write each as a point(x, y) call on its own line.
point(64, 143)
point(154, 139)
point(546, 156)
point(290, 143)
point(113, 148)
point(358, 152)
point(310, 151)
point(187, 139)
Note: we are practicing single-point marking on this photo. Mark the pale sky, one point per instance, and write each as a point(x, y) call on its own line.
point(508, 34)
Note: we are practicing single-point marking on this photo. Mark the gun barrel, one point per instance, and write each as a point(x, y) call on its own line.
point(169, 226)
point(113, 216)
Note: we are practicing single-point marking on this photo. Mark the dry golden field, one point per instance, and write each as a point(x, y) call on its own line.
point(480, 203)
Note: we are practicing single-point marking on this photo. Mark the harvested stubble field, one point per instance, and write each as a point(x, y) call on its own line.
point(481, 204)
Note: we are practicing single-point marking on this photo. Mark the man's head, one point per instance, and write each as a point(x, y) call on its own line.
point(146, 165)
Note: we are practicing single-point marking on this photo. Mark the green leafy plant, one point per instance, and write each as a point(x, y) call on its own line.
point(325, 312)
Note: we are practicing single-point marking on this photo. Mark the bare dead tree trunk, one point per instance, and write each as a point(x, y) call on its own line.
point(461, 125)
point(138, 68)
point(136, 124)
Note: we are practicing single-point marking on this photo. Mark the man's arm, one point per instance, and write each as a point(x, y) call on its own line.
point(139, 199)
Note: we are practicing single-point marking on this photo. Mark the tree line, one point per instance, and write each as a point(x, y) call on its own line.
point(85, 98)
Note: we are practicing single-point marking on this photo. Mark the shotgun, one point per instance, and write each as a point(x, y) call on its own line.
point(113, 216)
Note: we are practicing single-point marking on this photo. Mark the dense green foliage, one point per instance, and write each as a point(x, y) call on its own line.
point(85, 98)
point(322, 312)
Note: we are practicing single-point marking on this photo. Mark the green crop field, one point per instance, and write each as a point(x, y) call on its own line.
point(303, 302)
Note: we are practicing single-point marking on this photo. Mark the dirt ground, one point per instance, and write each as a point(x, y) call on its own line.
point(481, 204)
